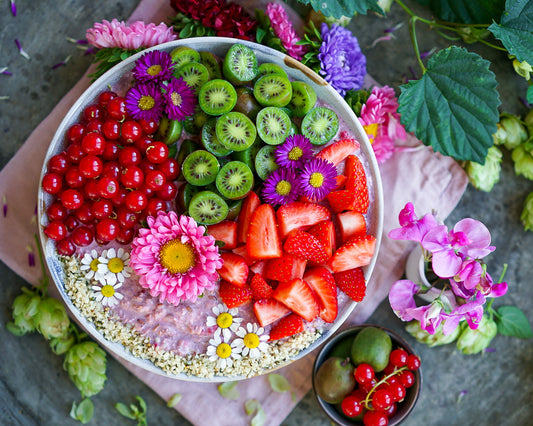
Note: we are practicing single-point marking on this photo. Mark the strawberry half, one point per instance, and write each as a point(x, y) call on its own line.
point(342, 200)
point(263, 241)
point(298, 297)
point(300, 215)
point(268, 311)
point(288, 326)
point(298, 268)
point(351, 224)
point(234, 269)
point(322, 283)
point(259, 267)
point(280, 269)
point(339, 150)
point(355, 253)
point(356, 183)
point(352, 282)
point(233, 295)
point(260, 288)
point(249, 205)
point(325, 233)
point(225, 231)
point(243, 251)
point(305, 246)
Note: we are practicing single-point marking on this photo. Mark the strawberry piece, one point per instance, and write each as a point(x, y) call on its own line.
point(322, 283)
point(305, 246)
point(298, 297)
point(300, 215)
point(352, 282)
point(341, 181)
point(263, 240)
point(356, 183)
point(298, 268)
point(259, 267)
point(280, 269)
point(233, 295)
point(242, 251)
point(342, 200)
point(339, 150)
point(249, 205)
point(355, 253)
point(325, 233)
point(268, 311)
point(351, 224)
point(288, 326)
point(260, 288)
point(225, 231)
point(234, 269)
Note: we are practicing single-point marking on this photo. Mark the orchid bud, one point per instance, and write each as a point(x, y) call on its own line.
point(25, 308)
point(471, 342)
point(527, 213)
point(437, 339)
point(52, 320)
point(515, 131)
point(485, 176)
point(523, 69)
point(523, 162)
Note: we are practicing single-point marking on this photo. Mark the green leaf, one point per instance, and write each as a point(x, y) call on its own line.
point(174, 399)
point(340, 8)
point(15, 329)
point(125, 411)
point(516, 29)
point(142, 404)
point(513, 322)
point(530, 95)
point(82, 412)
point(228, 390)
point(467, 12)
point(278, 383)
point(259, 418)
point(251, 405)
point(454, 106)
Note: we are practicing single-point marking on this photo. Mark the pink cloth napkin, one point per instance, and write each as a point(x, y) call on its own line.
point(429, 180)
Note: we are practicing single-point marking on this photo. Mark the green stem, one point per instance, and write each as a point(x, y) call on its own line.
point(414, 41)
point(383, 380)
point(44, 280)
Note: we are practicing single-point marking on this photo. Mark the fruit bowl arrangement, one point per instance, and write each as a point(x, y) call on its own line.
point(210, 209)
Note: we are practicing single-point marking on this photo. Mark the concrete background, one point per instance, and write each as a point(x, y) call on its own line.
point(35, 390)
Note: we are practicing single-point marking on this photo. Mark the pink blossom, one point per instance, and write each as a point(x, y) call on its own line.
point(412, 228)
point(284, 31)
point(137, 35)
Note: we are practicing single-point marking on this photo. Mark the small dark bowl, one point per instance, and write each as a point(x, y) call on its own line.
point(404, 408)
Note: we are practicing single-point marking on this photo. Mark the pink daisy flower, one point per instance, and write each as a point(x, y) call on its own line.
point(174, 259)
point(284, 31)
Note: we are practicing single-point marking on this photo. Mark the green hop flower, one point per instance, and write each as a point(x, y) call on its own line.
point(61, 345)
point(471, 342)
point(527, 213)
point(437, 339)
point(85, 363)
point(485, 176)
point(52, 320)
point(528, 120)
point(511, 132)
point(523, 69)
point(523, 161)
point(25, 308)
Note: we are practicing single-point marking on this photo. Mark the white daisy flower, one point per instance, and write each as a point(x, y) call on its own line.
point(221, 352)
point(114, 265)
point(90, 264)
point(252, 340)
point(225, 320)
point(107, 294)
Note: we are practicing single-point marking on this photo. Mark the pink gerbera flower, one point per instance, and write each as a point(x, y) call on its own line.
point(174, 259)
point(284, 31)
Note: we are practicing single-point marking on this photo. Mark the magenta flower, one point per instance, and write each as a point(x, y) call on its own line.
point(155, 66)
point(180, 99)
point(294, 152)
point(412, 228)
point(471, 311)
point(283, 29)
point(281, 187)
point(174, 258)
point(145, 101)
point(317, 179)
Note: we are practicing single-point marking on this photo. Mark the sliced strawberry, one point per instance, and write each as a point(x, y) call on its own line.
point(305, 246)
point(259, 267)
point(322, 283)
point(352, 282)
point(355, 253)
point(342, 200)
point(268, 311)
point(351, 224)
point(300, 215)
point(249, 205)
point(260, 288)
point(341, 181)
point(242, 251)
point(339, 150)
point(280, 269)
point(263, 240)
point(225, 231)
point(288, 326)
point(298, 297)
point(298, 268)
point(234, 269)
point(233, 295)
point(325, 233)
point(356, 182)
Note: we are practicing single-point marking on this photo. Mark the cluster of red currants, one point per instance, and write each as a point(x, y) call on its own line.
point(111, 175)
point(376, 397)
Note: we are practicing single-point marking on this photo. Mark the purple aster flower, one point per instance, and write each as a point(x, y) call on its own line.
point(294, 152)
point(281, 187)
point(155, 66)
point(342, 63)
point(317, 179)
point(145, 101)
point(180, 99)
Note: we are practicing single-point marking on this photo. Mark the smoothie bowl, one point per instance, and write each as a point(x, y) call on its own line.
point(210, 209)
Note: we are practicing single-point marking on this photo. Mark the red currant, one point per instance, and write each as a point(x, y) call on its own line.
point(75, 153)
point(125, 235)
point(143, 142)
point(52, 183)
point(155, 205)
point(71, 222)
point(407, 378)
point(74, 178)
point(149, 127)
point(56, 230)
point(94, 126)
point(91, 191)
point(155, 179)
point(398, 357)
point(93, 143)
point(391, 411)
point(111, 169)
point(129, 156)
point(157, 152)
point(126, 219)
point(351, 407)
point(382, 399)
point(56, 211)
point(65, 247)
point(131, 131)
point(167, 192)
point(84, 213)
point(111, 129)
point(58, 163)
point(71, 199)
point(397, 391)
point(146, 166)
point(111, 151)
point(75, 133)
point(136, 201)
point(82, 236)
point(375, 418)
point(93, 111)
point(102, 209)
point(364, 373)
point(105, 97)
point(120, 198)
point(108, 187)
point(91, 166)
point(107, 229)
point(389, 368)
point(170, 167)
point(413, 362)
point(132, 177)
point(116, 108)
point(367, 386)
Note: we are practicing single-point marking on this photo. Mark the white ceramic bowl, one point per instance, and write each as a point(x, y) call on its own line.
point(115, 79)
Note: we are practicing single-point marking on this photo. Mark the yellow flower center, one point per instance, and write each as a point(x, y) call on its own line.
point(94, 265)
point(251, 340)
point(283, 187)
point(224, 320)
point(177, 257)
point(108, 291)
point(223, 350)
point(154, 70)
point(146, 102)
point(316, 180)
point(371, 130)
point(295, 153)
point(176, 99)
point(115, 265)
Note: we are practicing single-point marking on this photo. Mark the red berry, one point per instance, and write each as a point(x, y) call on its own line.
point(125, 235)
point(130, 131)
point(407, 378)
point(94, 126)
point(74, 178)
point(382, 399)
point(149, 127)
point(111, 169)
point(129, 156)
point(93, 111)
point(102, 209)
point(52, 183)
point(143, 142)
point(65, 247)
point(375, 418)
point(71, 222)
point(116, 108)
point(351, 407)
point(167, 192)
point(58, 163)
point(91, 166)
point(82, 236)
point(126, 219)
point(84, 213)
point(75, 133)
point(108, 187)
point(120, 198)
point(132, 177)
point(107, 230)
point(157, 152)
point(364, 373)
point(111, 151)
point(71, 199)
point(398, 357)
point(56, 230)
point(91, 190)
point(56, 211)
point(397, 391)
point(75, 153)
point(155, 205)
point(136, 201)
point(93, 143)
point(111, 129)
point(413, 362)
point(146, 166)
point(389, 368)
point(155, 179)
point(170, 168)
point(105, 97)
point(367, 386)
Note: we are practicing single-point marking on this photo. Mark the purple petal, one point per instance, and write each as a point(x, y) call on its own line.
point(401, 298)
point(436, 239)
point(498, 290)
point(23, 53)
point(13, 8)
point(31, 259)
point(4, 71)
point(4, 205)
point(478, 236)
point(445, 263)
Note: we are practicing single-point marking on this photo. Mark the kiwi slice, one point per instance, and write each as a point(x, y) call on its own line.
point(236, 131)
point(194, 74)
point(319, 125)
point(210, 140)
point(270, 68)
point(200, 168)
point(211, 63)
point(246, 102)
point(208, 208)
point(235, 180)
point(184, 196)
point(239, 65)
point(265, 161)
point(186, 147)
point(217, 97)
point(193, 123)
point(183, 55)
point(169, 131)
point(273, 125)
point(248, 155)
point(303, 98)
point(273, 90)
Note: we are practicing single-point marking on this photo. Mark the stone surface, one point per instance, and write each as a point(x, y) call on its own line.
point(34, 389)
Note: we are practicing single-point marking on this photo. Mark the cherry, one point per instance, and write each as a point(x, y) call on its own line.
point(75, 133)
point(375, 418)
point(82, 236)
point(56, 230)
point(398, 357)
point(91, 166)
point(351, 407)
point(111, 129)
point(52, 183)
point(107, 230)
point(93, 143)
point(157, 152)
point(116, 108)
point(105, 97)
point(413, 362)
point(131, 131)
point(58, 163)
point(364, 373)
point(71, 199)
point(56, 211)
point(65, 247)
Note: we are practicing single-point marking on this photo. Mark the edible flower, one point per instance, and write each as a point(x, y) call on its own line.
point(294, 152)
point(284, 30)
point(154, 66)
point(89, 265)
point(252, 340)
point(107, 294)
point(180, 101)
point(317, 179)
point(221, 352)
point(144, 101)
point(225, 320)
point(281, 187)
point(113, 265)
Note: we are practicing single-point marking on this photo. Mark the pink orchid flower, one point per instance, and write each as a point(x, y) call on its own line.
point(412, 228)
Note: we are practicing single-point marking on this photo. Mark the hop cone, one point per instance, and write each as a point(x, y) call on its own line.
point(523, 161)
point(85, 363)
point(61, 345)
point(474, 341)
point(527, 213)
point(25, 308)
point(511, 132)
point(485, 176)
point(52, 320)
point(437, 339)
